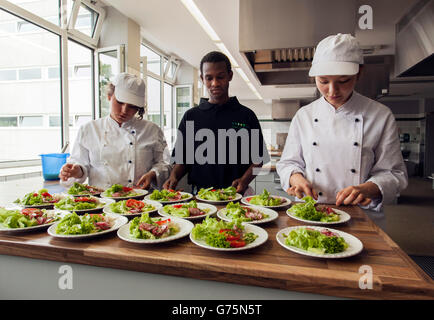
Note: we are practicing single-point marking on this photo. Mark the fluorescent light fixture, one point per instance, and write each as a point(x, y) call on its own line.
point(195, 12)
point(225, 50)
point(242, 74)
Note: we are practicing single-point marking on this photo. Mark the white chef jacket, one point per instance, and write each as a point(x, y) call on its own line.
point(338, 148)
point(109, 154)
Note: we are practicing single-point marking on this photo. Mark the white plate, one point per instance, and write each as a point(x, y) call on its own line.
point(184, 225)
point(156, 204)
point(39, 227)
point(344, 217)
point(212, 210)
point(272, 215)
point(283, 204)
point(117, 223)
point(237, 197)
point(262, 237)
point(190, 196)
point(141, 193)
point(355, 246)
point(43, 205)
point(104, 201)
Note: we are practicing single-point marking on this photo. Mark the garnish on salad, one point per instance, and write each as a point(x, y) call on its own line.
point(184, 210)
point(78, 203)
point(144, 227)
point(73, 224)
point(222, 234)
point(83, 189)
point(244, 213)
point(119, 191)
point(265, 199)
point(28, 217)
point(315, 241)
point(212, 194)
point(42, 197)
point(131, 206)
point(310, 210)
point(167, 195)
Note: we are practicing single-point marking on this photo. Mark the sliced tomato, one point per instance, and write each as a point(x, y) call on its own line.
point(132, 203)
point(238, 243)
point(177, 206)
point(248, 199)
point(127, 189)
point(45, 194)
point(231, 235)
point(161, 222)
point(32, 212)
point(330, 210)
point(84, 199)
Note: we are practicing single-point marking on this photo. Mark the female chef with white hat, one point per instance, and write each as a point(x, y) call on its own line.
point(343, 148)
point(120, 148)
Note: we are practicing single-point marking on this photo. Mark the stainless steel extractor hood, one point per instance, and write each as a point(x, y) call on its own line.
point(415, 41)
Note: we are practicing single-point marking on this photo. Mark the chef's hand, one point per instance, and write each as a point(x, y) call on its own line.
point(300, 187)
point(146, 180)
point(170, 183)
point(240, 185)
point(358, 195)
point(70, 170)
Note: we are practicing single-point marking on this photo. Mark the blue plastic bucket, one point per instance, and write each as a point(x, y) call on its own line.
point(51, 164)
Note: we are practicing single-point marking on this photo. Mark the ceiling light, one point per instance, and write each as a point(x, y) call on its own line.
point(194, 10)
point(225, 50)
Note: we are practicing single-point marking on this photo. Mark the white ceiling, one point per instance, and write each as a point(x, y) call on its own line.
point(169, 26)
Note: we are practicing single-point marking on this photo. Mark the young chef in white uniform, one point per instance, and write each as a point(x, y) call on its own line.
point(342, 148)
point(120, 148)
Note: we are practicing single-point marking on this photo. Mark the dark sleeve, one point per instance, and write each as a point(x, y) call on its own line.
point(258, 148)
point(178, 152)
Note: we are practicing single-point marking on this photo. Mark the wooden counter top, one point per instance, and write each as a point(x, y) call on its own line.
point(395, 275)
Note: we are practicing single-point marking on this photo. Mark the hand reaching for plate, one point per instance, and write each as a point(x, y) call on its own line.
point(70, 170)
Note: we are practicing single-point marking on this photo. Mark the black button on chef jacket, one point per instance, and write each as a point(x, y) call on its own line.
point(219, 173)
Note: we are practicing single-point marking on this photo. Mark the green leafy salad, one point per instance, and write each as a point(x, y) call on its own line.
point(79, 203)
point(315, 241)
point(131, 206)
point(244, 213)
point(119, 191)
point(222, 234)
point(265, 199)
point(28, 217)
point(212, 194)
point(73, 224)
point(83, 189)
point(310, 210)
point(185, 210)
point(42, 197)
point(144, 227)
point(167, 195)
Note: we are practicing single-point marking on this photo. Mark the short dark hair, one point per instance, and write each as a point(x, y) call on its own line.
point(216, 56)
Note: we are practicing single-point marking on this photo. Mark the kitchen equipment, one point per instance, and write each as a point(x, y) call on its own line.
point(51, 164)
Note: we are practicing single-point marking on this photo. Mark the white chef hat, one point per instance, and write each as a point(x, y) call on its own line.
point(337, 55)
point(130, 89)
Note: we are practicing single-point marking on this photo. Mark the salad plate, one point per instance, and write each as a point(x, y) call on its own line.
point(316, 214)
point(41, 199)
point(183, 228)
point(354, 245)
point(218, 196)
point(266, 200)
point(247, 214)
point(188, 210)
point(119, 192)
point(83, 204)
point(77, 223)
point(132, 207)
point(79, 190)
point(169, 196)
point(28, 219)
point(212, 231)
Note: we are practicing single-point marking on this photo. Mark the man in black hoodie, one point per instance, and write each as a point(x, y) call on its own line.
point(220, 142)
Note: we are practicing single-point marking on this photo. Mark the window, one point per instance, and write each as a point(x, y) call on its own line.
point(30, 74)
point(154, 60)
point(54, 121)
point(8, 75)
point(154, 100)
point(8, 121)
point(86, 21)
point(53, 73)
point(47, 9)
point(31, 121)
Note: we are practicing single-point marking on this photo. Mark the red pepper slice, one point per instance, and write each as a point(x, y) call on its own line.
point(238, 243)
point(231, 235)
point(177, 206)
point(126, 189)
point(162, 222)
point(45, 194)
point(132, 203)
